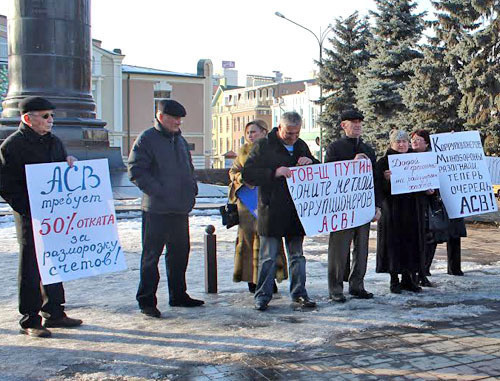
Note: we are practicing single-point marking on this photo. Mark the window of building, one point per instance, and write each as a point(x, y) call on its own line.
point(162, 90)
point(191, 146)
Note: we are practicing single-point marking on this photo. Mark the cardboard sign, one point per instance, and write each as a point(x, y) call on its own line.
point(333, 196)
point(74, 221)
point(465, 183)
point(413, 172)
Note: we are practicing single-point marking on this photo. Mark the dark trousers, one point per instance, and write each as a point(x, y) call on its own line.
point(453, 251)
point(33, 296)
point(339, 250)
point(170, 231)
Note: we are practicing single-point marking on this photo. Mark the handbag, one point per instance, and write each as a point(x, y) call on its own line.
point(229, 213)
point(438, 221)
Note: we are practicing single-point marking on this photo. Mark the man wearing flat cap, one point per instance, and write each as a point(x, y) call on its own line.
point(160, 165)
point(350, 147)
point(32, 143)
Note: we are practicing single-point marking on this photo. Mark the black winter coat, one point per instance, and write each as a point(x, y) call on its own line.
point(346, 149)
point(160, 165)
point(401, 228)
point(23, 147)
point(276, 210)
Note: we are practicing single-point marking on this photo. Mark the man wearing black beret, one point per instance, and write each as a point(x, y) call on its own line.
point(160, 165)
point(350, 147)
point(32, 143)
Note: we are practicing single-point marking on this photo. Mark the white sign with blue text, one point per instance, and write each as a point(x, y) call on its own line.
point(413, 172)
point(74, 221)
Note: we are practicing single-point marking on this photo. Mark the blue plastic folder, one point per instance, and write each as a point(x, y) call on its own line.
point(249, 198)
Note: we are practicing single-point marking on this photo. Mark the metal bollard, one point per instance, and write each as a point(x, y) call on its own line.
point(210, 242)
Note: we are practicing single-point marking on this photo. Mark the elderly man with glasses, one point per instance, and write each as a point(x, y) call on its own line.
point(32, 143)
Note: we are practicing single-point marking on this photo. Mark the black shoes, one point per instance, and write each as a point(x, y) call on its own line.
point(260, 305)
point(362, 294)
point(396, 288)
point(338, 298)
point(410, 287)
point(63, 322)
point(424, 281)
point(151, 312)
point(303, 302)
point(252, 287)
point(39, 331)
point(187, 302)
point(457, 273)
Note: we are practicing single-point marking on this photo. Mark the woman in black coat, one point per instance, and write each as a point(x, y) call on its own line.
point(420, 142)
point(400, 230)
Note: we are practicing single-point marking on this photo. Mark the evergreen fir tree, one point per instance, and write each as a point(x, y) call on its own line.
point(432, 96)
point(396, 34)
point(339, 71)
point(480, 77)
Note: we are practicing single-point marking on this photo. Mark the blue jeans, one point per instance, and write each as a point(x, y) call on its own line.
point(269, 249)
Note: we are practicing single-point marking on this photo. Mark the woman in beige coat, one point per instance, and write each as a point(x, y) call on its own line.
point(246, 259)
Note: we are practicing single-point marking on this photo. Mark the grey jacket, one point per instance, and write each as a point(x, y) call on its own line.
point(160, 165)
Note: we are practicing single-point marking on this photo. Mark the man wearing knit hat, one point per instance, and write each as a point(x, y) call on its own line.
point(160, 165)
point(351, 147)
point(32, 143)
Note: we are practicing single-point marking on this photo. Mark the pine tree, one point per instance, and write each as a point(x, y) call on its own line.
point(396, 34)
point(469, 32)
point(480, 78)
point(432, 96)
point(339, 71)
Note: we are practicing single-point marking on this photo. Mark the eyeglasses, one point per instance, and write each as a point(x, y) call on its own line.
point(44, 116)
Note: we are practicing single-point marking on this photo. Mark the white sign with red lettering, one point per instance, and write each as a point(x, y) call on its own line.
point(73, 219)
point(413, 172)
point(333, 196)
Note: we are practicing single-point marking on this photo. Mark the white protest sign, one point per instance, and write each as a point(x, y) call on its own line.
point(74, 221)
point(465, 183)
point(333, 196)
point(494, 168)
point(413, 172)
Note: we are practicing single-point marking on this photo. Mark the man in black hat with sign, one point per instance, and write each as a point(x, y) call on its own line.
point(350, 147)
point(160, 165)
point(32, 143)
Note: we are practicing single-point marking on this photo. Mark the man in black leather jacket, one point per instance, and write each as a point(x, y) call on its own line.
point(350, 147)
point(160, 165)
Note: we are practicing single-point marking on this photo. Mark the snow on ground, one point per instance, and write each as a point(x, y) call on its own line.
point(116, 339)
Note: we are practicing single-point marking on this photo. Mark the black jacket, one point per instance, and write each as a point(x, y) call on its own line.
point(160, 165)
point(346, 149)
point(23, 147)
point(401, 228)
point(276, 211)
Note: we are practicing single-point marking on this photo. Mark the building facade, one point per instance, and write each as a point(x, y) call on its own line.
point(304, 103)
point(233, 108)
point(143, 88)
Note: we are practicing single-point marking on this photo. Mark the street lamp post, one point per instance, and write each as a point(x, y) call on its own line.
point(320, 39)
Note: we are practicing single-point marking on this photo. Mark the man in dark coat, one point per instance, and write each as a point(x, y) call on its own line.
point(160, 165)
point(268, 167)
point(350, 147)
point(32, 143)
